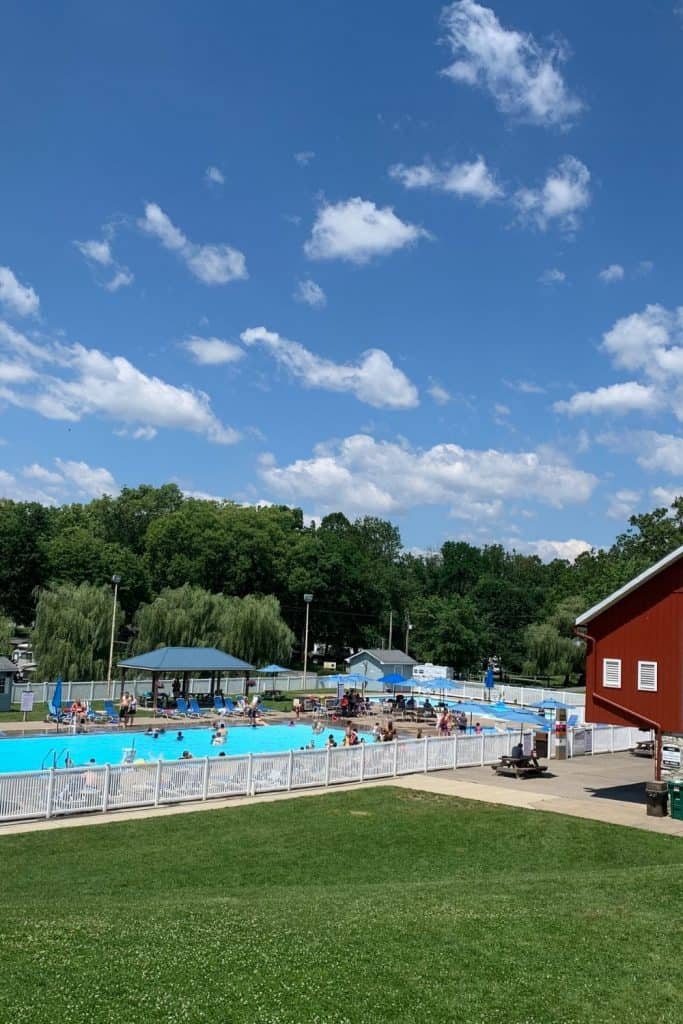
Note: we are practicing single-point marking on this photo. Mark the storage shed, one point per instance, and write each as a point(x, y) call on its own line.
point(375, 663)
point(8, 671)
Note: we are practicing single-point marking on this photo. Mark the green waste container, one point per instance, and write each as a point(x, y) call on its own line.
point(676, 799)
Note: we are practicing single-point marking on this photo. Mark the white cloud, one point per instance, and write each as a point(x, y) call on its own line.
point(212, 351)
point(617, 399)
point(501, 410)
point(99, 253)
point(46, 476)
point(214, 175)
point(548, 550)
point(86, 382)
point(121, 279)
point(211, 264)
point(90, 481)
point(644, 268)
point(623, 504)
point(374, 379)
point(614, 272)
point(651, 341)
point(304, 157)
point(654, 451)
point(311, 294)
point(466, 180)
point(666, 495)
point(15, 373)
point(96, 251)
point(361, 475)
point(356, 230)
point(521, 75)
point(552, 276)
point(525, 387)
point(16, 297)
point(562, 196)
point(439, 394)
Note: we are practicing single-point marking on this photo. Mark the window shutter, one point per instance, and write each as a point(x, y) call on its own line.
point(611, 672)
point(647, 676)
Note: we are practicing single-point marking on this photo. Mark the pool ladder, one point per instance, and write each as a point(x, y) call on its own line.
point(68, 763)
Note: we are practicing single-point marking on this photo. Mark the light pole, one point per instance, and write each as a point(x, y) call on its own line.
point(115, 580)
point(409, 626)
point(307, 599)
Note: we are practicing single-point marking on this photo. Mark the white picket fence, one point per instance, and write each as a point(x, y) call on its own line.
point(57, 792)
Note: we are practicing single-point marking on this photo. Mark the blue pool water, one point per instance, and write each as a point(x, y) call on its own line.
point(25, 755)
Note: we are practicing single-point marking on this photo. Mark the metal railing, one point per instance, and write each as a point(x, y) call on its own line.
point(63, 791)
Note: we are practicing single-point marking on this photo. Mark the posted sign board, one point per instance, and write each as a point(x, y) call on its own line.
point(27, 700)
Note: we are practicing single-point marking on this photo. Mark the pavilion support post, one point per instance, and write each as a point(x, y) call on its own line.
point(186, 680)
point(155, 689)
point(123, 682)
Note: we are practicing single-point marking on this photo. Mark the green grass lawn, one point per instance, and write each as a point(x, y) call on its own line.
point(381, 905)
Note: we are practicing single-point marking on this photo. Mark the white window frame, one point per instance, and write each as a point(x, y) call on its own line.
point(605, 683)
point(647, 689)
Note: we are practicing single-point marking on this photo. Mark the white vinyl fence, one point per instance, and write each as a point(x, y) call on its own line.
point(56, 792)
point(99, 690)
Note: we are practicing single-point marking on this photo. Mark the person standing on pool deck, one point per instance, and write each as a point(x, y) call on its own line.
point(253, 709)
point(132, 709)
point(123, 709)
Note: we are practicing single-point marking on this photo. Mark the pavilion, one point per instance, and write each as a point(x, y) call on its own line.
point(182, 662)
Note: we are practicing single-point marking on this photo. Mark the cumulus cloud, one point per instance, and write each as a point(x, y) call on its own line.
point(211, 264)
point(666, 495)
point(548, 550)
point(214, 175)
point(212, 351)
point(623, 504)
point(560, 199)
point(89, 481)
point(98, 254)
point(304, 157)
point(38, 472)
point(654, 451)
point(357, 230)
point(617, 399)
point(614, 272)
point(374, 380)
point(650, 342)
point(471, 180)
point(361, 475)
point(17, 297)
point(310, 293)
point(521, 75)
point(552, 276)
point(71, 381)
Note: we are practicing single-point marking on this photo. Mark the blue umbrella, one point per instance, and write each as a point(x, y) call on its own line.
point(57, 696)
point(395, 679)
point(550, 705)
point(488, 679)
point(272, 670)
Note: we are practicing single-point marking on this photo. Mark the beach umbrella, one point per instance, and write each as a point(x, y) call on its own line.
point(272, 670)
point(550, 705)
point(57, 699)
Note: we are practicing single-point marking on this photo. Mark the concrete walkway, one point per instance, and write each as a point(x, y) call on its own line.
point(607, 788)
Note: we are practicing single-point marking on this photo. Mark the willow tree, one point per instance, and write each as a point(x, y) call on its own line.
point(6, 633)
point(72, 633)
point(250, 627)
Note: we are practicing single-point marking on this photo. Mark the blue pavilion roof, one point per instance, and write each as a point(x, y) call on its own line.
point(185, 659)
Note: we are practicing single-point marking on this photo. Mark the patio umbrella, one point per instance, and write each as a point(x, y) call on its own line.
point(550, 705)
point(272, 670)
point(57, 699)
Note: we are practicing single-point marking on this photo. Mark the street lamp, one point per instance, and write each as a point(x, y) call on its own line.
point(115, 580)
point(307, 598)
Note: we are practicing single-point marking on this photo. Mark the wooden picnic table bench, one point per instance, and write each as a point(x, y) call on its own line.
point(519, 766)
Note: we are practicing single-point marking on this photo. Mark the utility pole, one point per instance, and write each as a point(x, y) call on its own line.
point(391, 627)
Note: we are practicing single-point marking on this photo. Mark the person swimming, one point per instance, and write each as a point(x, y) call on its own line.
point(180, 736)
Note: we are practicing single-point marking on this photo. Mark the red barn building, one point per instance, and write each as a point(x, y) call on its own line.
point(634, 651)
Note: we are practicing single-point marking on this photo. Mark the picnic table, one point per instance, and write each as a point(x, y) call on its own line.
point(520, 767)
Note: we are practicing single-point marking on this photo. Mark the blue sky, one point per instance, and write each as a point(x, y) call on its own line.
point(413, 260)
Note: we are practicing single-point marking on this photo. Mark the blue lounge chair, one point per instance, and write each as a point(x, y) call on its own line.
point(231, 708)
point(195, 709)
point(219, 705)
point(111, 712)
point(55, 714)
point(182, 708)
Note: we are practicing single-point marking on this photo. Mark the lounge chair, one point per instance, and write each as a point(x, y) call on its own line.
point(181, 708)
point(230, 708)
point(219, 705)
point(55, 714)
point(111, 712)
point(195, 709)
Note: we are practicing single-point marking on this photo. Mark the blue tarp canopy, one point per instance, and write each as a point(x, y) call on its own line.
point(185, 659)
point(396, 679)
point(271, 670)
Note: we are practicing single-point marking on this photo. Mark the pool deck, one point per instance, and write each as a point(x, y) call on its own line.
point(607, 788)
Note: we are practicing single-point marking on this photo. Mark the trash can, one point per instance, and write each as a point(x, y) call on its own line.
point(656, 796)
point(676, 799)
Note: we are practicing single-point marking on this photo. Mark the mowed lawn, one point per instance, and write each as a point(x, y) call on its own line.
point(376, 905)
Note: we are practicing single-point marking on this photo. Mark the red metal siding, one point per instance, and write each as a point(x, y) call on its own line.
point(645, 625)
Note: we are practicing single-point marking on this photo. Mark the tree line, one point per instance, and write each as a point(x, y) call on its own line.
point(218, 573)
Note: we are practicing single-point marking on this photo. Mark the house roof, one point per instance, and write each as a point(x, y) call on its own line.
point(629, 587)
point(185, 659)
point(385, 657)
point(7, 666)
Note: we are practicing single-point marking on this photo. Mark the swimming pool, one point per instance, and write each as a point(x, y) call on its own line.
point(32, 754)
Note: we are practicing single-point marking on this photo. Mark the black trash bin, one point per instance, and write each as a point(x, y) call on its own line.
point(541, 744)
point(656, 796)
